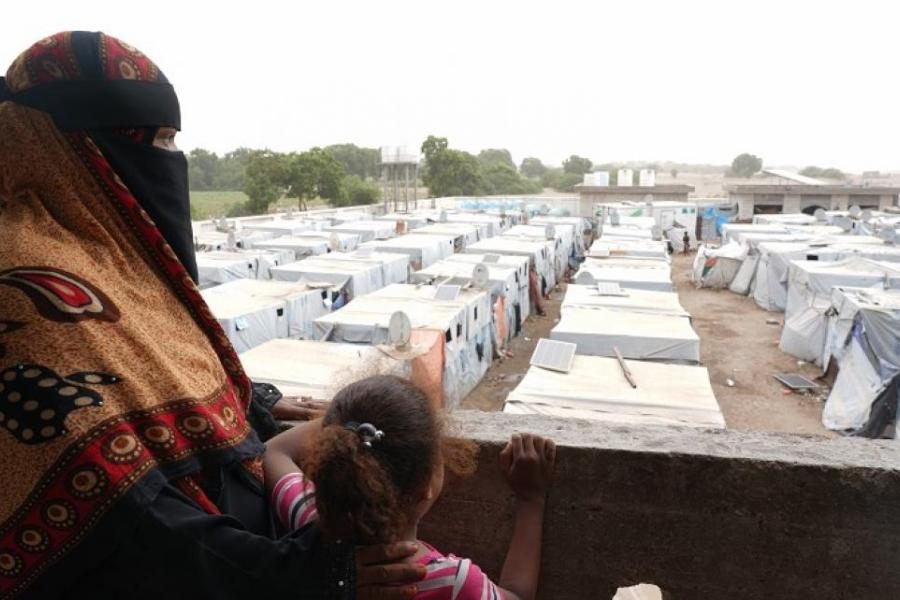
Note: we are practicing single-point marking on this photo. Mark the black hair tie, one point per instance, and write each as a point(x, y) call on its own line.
point(367, 432)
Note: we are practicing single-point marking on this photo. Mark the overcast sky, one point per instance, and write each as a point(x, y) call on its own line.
point(795, 82)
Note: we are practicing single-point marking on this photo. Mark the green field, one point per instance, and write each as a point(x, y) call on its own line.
point(206, 205)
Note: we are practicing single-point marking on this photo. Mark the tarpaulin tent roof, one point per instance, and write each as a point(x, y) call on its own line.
point(280, 226)
point(363, 274)
point(810, 282)
point(632, 278)
point(300, 246)
point(347, 242)
point(253, 312)
point(465, 232)
point(595, 388)
point(367, 230)
point(639, 301)
point(638, 335)
point(317, 370)
point(540, 251)
point(222, 266)
point(717, 267)
point(412, 221)
point(423, 250)
point(610, 232)
point(864, 337)
point(218, 240)
point(629, 249)
point(578, 224)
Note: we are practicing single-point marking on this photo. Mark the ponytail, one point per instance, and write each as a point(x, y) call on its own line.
point(355, 496)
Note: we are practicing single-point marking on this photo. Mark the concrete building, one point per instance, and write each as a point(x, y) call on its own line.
point(786, 192)
point(589, 195)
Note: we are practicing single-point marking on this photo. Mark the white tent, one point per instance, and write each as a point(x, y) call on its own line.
point(280, 226)
point(346, 242)
point(541, 253)
point(423, 250)
point(503, 283)
point(317, 370)
point(578, 226)
point(301, 247)
point(864, 338)
point(810, 294)
point(717, 267)
point(208, 241)
point(596, 388)
point(611, 232)
point(366, 230)
point(492, 224)
point(223, 266)
point(463, 233)
point(635, 278)
point(404, 222)
point(253, 312)
point(466, 350)
point(618, 262)
point(359, 275)
point(563, 242)
point(637, 335)
point(637, 301)
point(602, 248)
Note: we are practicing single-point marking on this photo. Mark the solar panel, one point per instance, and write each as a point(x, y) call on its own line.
point(796, 382)
point(610, 288)
point(446, 292)
point(491, 258)
point(553, 355)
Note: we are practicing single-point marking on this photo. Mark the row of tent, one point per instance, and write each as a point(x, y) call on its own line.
point(314, 303)
point(836, 278)
point(622, 313)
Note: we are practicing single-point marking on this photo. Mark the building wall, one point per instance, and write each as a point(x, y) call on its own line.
point(587, 200)
point(704, 515)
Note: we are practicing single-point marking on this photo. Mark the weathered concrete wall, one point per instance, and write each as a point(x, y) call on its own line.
point(704, 515)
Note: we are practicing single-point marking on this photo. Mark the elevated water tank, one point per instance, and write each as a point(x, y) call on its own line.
point(589, 179)
point(647, 178)
point(625, 178)
point(601, 178)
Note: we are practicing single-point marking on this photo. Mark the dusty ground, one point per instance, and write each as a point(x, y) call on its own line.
point(736, 344)
point(504, 375)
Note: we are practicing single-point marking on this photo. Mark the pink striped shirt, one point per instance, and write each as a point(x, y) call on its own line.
point(448, 577)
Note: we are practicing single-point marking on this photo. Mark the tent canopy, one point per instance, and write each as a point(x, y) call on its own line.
point(587, 296)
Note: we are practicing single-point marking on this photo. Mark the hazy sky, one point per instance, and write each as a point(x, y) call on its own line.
point(795, 82)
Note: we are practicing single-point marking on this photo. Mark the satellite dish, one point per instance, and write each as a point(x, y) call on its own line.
point(656, 232)
point(549, 231)
point(232, 240)
point(820, 215)
point(334, 242)
point(867, 215)
point(443, 217)
point(480, 276)
point(290, 213)
point(399, 330)
point(222, 224)
point(844, 223)
point(855, 211)
point(614, 217)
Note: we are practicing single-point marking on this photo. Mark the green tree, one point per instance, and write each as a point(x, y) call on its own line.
point(315, 173)
point(577, 165)
point(532, 167)
point(745, 165)
point(830, 173)
point(449, 172)
point(358, 191)
point(202, 169)
point(674, 173)
point(264, 181)
point(559, 180)
point(362, 162)
point(496, 156)
point(233, 169)
point(500, 178)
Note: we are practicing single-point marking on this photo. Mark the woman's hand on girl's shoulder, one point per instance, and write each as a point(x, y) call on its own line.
point(527, 462)
point(384, 573)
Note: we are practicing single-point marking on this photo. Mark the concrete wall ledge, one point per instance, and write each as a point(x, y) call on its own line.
point(702, 514)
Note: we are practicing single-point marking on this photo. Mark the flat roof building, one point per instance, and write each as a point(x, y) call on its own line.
point(589, 195)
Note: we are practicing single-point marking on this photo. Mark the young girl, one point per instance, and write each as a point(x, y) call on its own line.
point(372, 467)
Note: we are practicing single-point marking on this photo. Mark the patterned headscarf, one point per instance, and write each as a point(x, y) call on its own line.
point(114, 376)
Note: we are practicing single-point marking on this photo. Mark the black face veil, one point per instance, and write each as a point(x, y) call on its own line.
point(102, 106)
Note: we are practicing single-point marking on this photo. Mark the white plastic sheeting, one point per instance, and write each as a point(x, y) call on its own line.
point(744, 278)
point(208, 241)
point(301, 247)
point(467, 349)
point(280, 226)
point(463, 234)
point(359, 275)
point(637, 301)
point(346, 242)
point(638, 335)
point(317, 370)
point(717, 267)
point(636, 278)
point(541, 253)
point(519, 263)
point(611, 232)
point(864, 338)
point(563, 243)
point(629, 248)
point(253, 312)
point(596, 388)
point(215, 268)
point(423, 250)
point(578, 226)
point(366, 230)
